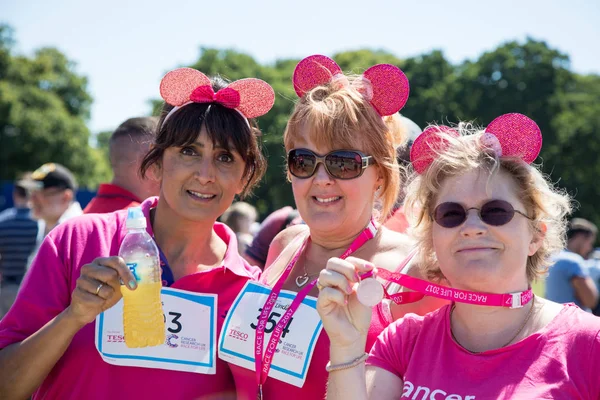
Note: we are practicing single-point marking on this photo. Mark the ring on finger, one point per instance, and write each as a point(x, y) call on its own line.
point(319, 286)
point(98, 288)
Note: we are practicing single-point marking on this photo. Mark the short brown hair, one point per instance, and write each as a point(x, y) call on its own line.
point(341, 118)
point(226, 128)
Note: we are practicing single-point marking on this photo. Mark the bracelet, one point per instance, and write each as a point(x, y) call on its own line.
point(350, 364)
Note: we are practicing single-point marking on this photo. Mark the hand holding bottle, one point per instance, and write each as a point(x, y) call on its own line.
point(98, 288)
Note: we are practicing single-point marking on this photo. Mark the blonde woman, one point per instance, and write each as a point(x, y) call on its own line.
point(341, 145)
point(486, 222)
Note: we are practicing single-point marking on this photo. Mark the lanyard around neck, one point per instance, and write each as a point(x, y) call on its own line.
point(263, 364)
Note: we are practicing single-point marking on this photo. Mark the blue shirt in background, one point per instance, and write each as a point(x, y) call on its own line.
point(18, 239)
point(567, 265)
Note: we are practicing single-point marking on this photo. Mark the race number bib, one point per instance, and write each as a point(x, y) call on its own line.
point(191, 330)
point(297, 343)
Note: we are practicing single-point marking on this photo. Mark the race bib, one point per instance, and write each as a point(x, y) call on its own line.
point(297, 343)
point(191, 330)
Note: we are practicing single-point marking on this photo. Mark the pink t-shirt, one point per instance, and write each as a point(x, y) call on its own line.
point(315, 386)
point(561, 361)
point(81, 373)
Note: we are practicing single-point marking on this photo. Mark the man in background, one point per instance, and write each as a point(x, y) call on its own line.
point(18, 238)
point(53, 188)
point(128, 145)
point(568, 280)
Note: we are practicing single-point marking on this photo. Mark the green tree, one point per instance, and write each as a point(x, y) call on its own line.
point(44, 105)
point(528, 77)
point(533, 79)
point(515, 77)
point(572, 158)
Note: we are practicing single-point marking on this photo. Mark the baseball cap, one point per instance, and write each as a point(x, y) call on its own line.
point(49, 175)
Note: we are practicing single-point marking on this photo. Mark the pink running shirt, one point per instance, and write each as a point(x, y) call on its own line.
point(315, 385)
point(81, 373)
point(559, 362)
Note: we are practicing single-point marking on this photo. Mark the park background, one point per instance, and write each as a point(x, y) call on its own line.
point(72, 71)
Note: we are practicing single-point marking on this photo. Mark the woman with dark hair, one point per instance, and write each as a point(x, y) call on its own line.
point(206, 152)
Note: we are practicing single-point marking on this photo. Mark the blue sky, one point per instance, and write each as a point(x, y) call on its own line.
point(124, 47)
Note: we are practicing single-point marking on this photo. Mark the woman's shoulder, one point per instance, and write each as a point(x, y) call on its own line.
point(286, 236)
point(573, 321)
point(392, 248)
point(88, 226)
point(395, 241)
point(282, 240)
point(279, 245)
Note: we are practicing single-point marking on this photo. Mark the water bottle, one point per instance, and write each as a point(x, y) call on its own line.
point(143, 319)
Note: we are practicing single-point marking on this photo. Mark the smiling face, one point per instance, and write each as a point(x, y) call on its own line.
point(333, 207)
point(478, 256)
point(199, 181)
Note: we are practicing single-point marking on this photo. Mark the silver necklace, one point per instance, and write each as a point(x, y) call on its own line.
point(529, 314)
point(303, 279)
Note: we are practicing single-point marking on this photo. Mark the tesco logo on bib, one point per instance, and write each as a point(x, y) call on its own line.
point(234, 333)
point(115, 339)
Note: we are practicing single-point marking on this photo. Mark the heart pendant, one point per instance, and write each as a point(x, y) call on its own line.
point(301, 280)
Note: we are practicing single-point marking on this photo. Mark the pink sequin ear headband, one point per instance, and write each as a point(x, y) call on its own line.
point(509, 135)
point(384, 85)
point(250, 97)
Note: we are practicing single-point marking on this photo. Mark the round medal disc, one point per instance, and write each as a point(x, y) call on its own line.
point(369, 292)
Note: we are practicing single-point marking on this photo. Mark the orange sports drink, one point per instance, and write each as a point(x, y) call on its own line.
point(143, 320)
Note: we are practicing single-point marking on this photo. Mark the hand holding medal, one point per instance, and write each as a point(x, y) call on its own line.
point(343, 314)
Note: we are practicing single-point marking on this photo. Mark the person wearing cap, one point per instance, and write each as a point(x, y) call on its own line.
point(18, 238)
point(53, 189)
point(568, 279)
point(128, 145)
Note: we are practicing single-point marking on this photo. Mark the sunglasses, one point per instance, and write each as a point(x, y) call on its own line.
point(339, 164)
point(494, 212)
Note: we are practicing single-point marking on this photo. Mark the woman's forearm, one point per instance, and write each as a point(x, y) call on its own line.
point(25, 365)
point(349, 383)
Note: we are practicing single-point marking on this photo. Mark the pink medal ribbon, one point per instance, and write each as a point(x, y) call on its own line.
point(510, 300)
point(263, 364)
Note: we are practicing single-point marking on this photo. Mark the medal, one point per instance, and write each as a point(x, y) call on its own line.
point(369, 292)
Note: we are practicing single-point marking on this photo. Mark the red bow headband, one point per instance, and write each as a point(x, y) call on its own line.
point(509, 135)
point(385, 85)
point(250, 97)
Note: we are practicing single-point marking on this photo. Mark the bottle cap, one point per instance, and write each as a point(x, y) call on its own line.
point(135, 218)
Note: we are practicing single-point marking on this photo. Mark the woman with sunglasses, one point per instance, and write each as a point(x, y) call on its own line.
point(486, 224)
point(63, 338)
point(341, 162)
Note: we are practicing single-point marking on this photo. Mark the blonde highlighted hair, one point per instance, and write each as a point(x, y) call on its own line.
point(460, 154)
point(338, 116)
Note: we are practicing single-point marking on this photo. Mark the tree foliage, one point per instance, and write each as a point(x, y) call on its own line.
point(529, 77)
point(44, 106)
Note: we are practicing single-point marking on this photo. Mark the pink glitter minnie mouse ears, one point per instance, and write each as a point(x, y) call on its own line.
point(385, 85)
point(250, 97)
point(509, 135)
